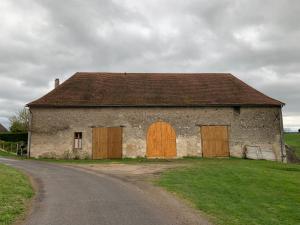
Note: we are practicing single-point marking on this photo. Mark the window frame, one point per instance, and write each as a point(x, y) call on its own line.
point(77, 140)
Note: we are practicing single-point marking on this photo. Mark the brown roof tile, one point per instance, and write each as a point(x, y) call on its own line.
point(153, 89)
point(2, 128)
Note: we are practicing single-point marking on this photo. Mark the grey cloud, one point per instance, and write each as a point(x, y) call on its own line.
point(42, 40)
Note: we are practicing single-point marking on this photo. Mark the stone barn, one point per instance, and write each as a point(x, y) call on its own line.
point(155, 115)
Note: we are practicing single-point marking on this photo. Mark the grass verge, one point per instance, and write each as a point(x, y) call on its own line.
point(7, 154)
point(123, 160)
point(15, 191)
point(239, 191)
point(10, 155)
point(293, 140)
point(100, 161)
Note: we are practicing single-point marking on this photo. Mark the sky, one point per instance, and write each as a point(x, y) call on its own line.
point(257, 41)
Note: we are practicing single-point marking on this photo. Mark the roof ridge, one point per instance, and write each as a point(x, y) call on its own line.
point(155, 73)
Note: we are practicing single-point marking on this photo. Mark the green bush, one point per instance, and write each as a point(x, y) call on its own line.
point(14, 137)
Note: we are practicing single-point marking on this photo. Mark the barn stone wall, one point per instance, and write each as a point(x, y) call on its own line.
point(52, 129)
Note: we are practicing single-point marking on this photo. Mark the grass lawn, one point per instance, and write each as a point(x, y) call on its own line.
point(11, 155)
point(7, 154)
point(123, 160)
point(235, 191)
point(293, 140)
point(15, 190)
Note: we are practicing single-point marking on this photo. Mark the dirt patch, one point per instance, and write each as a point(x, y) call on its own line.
point(131, 171)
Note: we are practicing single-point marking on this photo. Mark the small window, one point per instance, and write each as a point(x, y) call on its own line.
point(78, 140)
point(237, 110)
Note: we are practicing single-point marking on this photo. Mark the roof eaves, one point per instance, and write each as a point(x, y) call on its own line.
point(150, 105)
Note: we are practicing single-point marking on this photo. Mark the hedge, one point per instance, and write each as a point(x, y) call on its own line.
point(14, 137)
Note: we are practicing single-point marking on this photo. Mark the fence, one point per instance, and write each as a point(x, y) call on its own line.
point(291, 155)
point(13, 147)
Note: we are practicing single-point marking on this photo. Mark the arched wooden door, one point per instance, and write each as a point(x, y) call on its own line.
point(161, 141)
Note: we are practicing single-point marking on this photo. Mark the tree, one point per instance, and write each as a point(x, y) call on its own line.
point(20, 121)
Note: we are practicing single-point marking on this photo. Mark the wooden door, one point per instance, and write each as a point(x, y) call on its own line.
point(114, 140)
point(100, 144)
point(107, 142)
point(168, 140)
point(161, 141)
point(215, 141)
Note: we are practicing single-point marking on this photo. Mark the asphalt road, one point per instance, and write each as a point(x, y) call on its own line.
point(67, 196)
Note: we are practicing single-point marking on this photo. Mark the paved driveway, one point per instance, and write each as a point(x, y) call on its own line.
point(68, 196)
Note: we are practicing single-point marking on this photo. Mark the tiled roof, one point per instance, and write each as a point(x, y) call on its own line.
point(153, 89)
point(2, 128)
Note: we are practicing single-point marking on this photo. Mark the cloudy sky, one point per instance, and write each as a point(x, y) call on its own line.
point(258, 41)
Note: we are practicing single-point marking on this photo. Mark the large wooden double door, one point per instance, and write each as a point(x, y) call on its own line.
point(107, 142)
point(215, 141)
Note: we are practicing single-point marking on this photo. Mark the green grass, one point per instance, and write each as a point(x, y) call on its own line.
point(123, 160)
point(293, 140)
point(6, 154)
point(15, 190)
point(11, 155)
point(10, 146)
point(238, 191)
